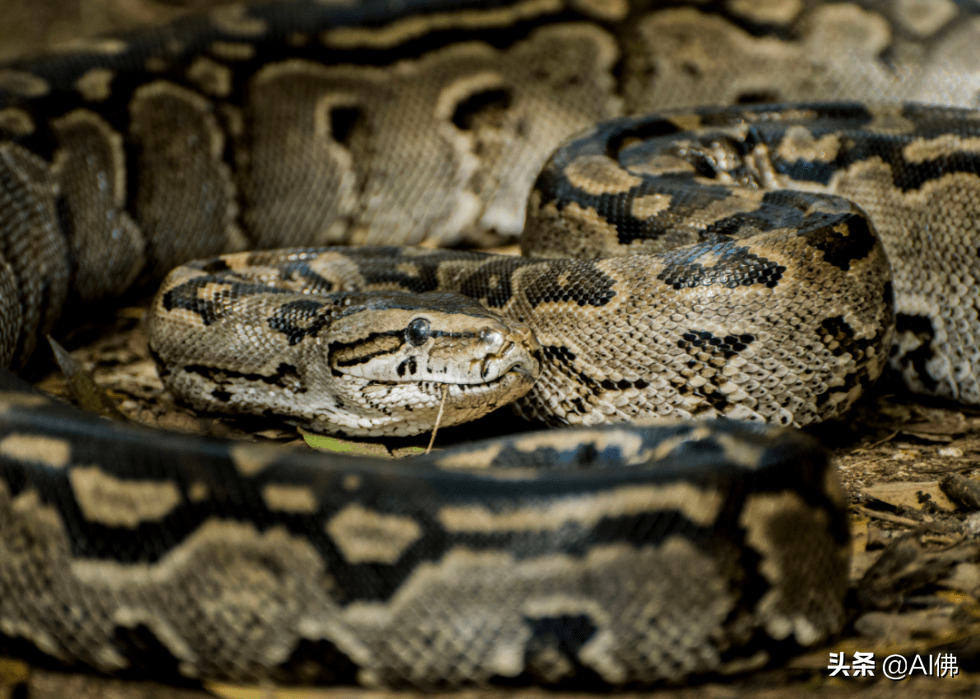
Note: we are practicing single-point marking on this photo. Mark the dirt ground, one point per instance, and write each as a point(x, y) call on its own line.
point(910, 468)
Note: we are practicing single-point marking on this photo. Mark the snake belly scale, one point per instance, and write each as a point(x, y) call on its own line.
point(759, 263)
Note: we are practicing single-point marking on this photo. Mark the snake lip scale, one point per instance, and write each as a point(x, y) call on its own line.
point(288, 171)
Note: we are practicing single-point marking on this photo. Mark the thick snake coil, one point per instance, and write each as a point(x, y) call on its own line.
point(779, 248)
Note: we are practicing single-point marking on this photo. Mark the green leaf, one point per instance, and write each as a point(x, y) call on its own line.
point(343, 446)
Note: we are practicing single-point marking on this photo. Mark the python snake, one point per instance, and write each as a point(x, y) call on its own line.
point(555, 557)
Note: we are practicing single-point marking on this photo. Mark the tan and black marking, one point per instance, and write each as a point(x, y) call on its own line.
point(349, 566)
point(561, 558)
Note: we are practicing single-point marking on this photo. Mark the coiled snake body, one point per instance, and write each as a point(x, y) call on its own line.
point(552, 557)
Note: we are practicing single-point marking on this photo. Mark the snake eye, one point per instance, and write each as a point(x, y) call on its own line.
point(417, 331)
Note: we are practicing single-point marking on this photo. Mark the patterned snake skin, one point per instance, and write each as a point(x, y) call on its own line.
point(562, 557)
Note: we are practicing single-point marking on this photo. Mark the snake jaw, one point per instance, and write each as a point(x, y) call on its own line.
point(378, 408)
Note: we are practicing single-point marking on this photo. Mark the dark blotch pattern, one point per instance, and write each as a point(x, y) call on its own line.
point(299, 319)
point(581, 283)
point(486, 105)
point(336, 347)
point(733, 266)
point(409, 366)
point(222, 377)
point(343, 121)
point(301, 272)
point(841, 239)
point(492, 283)
point(316, 663)
point(215, 266)
point(623, 384)
point(557, 639)
point(694, 340)
point(382, 266)
point(921, 327)
point(838, 333)
point(187, 296)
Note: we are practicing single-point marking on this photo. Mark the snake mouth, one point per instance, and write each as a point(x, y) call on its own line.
point(519, 372)
point(503, 369)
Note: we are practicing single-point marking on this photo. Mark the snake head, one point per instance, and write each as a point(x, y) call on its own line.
point(350, 363)
point(396, 359)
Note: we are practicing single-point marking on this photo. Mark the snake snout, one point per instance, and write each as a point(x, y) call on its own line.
point(492, 339)
point(517, 352)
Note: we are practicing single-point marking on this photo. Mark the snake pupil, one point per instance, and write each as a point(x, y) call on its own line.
point(417, 331)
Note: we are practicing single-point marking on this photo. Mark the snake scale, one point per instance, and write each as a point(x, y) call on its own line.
point(817, 241)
